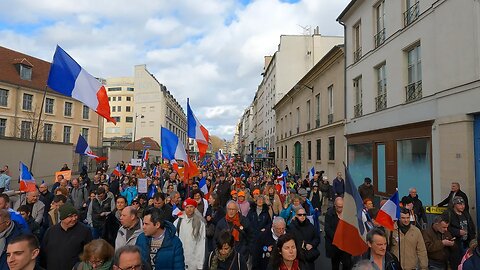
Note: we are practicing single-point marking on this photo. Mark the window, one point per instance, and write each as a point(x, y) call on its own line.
point(114, 108)
point(127, 108)
point(309, 150)
point(109, 99)
point(47, 132)
point(113, 130)
point(380, 23)
point(129, 98)
point(25, 73)
point(27, 102)
point(85, 133)
point(357, 42)
point(3, 127)
point(49, 105)
point(317, 113)
point(412, 11)
point(381, 99)
point(86, 112)
point(298, 119)
point(66, 134)
point(286, 152)
point(3, 97)
point(119, 98)
point(414, 87)
point(357, 88)
point(281, 153)
point(319, 149)
point(130, 89)
point(330, 104)
point(114, 89)
point(67, 111)
point(331, 148)
point(26, 130)
point(119, 108)
point(117, 118)
point(114, 98)
point(308, 114)
point(129, 119)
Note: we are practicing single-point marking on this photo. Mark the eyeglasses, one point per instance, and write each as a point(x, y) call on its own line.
point(135, 267)
point(96, 263)
point(302, 215)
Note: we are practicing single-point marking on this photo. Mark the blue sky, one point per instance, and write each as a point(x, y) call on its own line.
point(210, 51)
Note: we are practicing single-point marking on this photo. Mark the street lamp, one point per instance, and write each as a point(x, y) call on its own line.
point(135, 132)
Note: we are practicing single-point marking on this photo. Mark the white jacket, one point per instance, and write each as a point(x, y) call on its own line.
point(193, 250)
point(121, 239)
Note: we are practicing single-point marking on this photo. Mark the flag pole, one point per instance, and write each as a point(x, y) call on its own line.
point(38, 127)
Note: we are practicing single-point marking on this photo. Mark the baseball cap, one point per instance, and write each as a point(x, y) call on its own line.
point(241, 193)
point(458, 200)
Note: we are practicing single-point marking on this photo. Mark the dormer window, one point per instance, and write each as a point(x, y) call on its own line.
point(25, 73)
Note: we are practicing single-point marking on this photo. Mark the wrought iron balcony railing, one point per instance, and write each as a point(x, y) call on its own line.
point(358, 110)
point(413, 91)
point(381, 102)
point(411, 14)
point(330, 118)
point(357, 54)
point(379, 38)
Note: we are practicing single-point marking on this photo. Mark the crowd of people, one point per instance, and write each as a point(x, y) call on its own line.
point(231, 216)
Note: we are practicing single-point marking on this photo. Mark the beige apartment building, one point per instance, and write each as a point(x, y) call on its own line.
point(121, 96)
point(310, 119)
point(412, 92)
point(22, 84)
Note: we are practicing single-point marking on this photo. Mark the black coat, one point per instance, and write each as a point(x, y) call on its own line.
point(448, 201)
point(259, 222)
point(304, 234)
point(261, 254)
point(331, 222)
point(112, 225)
point(216, 214)
point(391, 262)
point(234, 262)
point(245, 244)
point(419, 210)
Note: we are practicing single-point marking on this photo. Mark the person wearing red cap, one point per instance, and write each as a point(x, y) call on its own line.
point(191, 231)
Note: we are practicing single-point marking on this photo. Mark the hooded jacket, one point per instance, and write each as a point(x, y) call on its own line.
point(121, 240)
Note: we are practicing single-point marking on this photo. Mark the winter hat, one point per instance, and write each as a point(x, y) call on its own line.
point(67, 210)
point(458, 200)
point(188, 202)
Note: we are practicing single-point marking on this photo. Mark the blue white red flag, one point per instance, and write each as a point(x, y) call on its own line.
point(389, 213)
point(145, 155)
point(69, 78)
point(311, 173)
point(27, 182)
point(116, 171)
point(172, 147)
point(176, 211)
point(350, 233)
point(283, 182)
point(197, 131)
point(83, 148)
point(203, 185)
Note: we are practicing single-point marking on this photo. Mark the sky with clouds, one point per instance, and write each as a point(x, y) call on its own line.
point(210, 51)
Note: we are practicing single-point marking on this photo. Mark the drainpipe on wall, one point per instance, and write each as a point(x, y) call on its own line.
point(345, 89)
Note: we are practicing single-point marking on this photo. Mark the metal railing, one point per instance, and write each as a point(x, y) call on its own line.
point(317, 122)
point(358, 110)
point(330, 118)
point(411, 14)
point(308, 126)
point(357, 54)
point(379, 38)
point(381, 102)
point(413, 91)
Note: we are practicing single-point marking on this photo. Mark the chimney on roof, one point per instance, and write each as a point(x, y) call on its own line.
point(316, 31)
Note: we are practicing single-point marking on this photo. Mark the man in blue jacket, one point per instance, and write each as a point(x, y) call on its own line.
point(159, 245)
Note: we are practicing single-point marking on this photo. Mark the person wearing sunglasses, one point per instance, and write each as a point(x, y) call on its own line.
point(306, 237)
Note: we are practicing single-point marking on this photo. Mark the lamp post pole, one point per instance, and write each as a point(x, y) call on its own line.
point(135, 132)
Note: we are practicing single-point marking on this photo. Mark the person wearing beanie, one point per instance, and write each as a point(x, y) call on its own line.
point(190, 227)
point(56, 252)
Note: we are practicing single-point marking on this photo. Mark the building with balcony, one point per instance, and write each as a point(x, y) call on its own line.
point(295, 56)
point(310, 119)
point(120, 95)
point(156, 107)
point(22, 86)
point(412, 91)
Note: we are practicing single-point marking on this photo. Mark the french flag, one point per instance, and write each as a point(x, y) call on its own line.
point(176, 211)
point(350, 233)
point(197, 131)
point(69, 78)
point(283, 183)
point(311, 173)
point(172, 147)
point(145, 155)
point(116, 171)
point(174, 165)
point(27, 182)
point(389, 213)
point(203, 185)
point(83, 148)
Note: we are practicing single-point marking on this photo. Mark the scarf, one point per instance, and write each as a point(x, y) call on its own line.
point(3, 237)
point(294, 266)
point(404, 229)
point(105, 266)
point(235, 220)
point(218, 257)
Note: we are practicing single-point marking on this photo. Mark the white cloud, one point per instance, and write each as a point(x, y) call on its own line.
point(210, 51)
